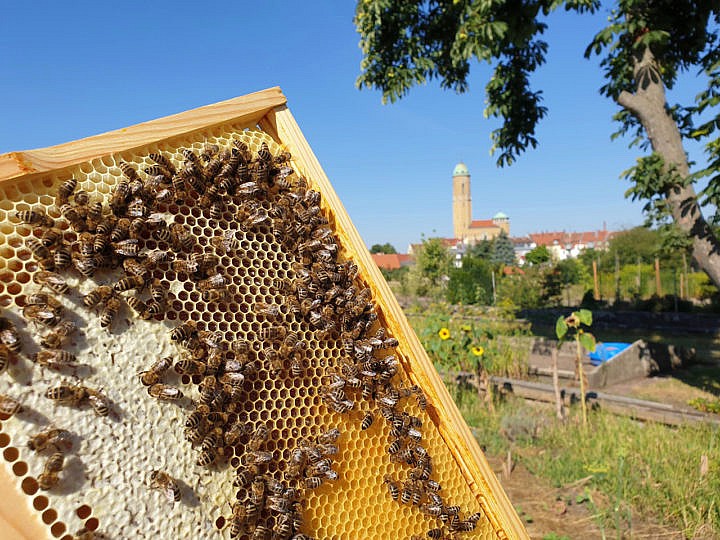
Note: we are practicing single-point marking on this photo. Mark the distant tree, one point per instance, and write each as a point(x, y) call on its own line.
point(503, 252)
point(433, 262)
point(386, 248)
point(472, 283)
point(645, 47)
point(482, 249)
point(630, 244)
point(537, 255)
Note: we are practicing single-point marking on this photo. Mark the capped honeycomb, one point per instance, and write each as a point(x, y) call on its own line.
point(295, 387)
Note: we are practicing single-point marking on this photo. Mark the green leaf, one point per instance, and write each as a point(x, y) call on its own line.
point(585, 316)
point(587, 341)
point(561, 327)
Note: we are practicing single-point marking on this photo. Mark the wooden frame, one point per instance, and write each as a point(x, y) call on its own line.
point(268, 110)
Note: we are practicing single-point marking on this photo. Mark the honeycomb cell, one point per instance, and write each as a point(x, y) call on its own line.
point(83, 512)
point(40, 503)
point(29, 485)
point(49, 516)
point(11, 453)
point(20, 468)
point(58, 529)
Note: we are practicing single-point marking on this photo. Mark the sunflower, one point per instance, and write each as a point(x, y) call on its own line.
point(477, 351)
point(444, 334)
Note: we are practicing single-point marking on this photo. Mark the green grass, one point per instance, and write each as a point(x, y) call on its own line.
point(641, 469)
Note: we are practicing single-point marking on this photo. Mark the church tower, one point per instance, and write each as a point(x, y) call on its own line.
point(462, 203)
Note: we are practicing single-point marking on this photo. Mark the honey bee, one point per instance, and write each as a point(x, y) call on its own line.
point(94, 216)
point(312, 482)
point(41, 314)
point(54, 358)
point(4, 357)
point(163, 162)
point(214, 295)
point(121, 230)
point(216, 281)
point(190, 367)
point(9, 336)
point(127, 248)
point(257, 457)
point(138, 306)
point(111, 308)
point(128, 283)
point(186, 266)
point(36, 216)
point(51, 280)
point(134, 267)
point(58, 439)
point(99, 402)
point(70, 213)
point(153, 375)
point(84, 534)
point(163, 482)
point(67, 394)
point(64, 192)
point(367, 421)
point(261, 532)
point(238, 520)
point(9, 405)
point(184, 332)
point(49, 477)
point(283, 526)
point(270, 311)
point(225, 243)
point(164, 392)
point(56, 338)
point(273, 333)
point(62, 256)
point(181, 238)
point(98, 295)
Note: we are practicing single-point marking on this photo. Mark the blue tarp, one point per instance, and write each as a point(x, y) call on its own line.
point(606, 351)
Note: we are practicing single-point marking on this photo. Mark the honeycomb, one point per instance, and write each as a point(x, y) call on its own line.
point(105, 484)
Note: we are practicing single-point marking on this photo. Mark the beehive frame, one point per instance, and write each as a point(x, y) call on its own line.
point(267, 112)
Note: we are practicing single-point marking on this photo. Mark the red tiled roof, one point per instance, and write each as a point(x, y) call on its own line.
point(573, 238)
point(482, 223)
point(391, 261)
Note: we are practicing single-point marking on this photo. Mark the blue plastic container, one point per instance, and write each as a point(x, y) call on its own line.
point(606, 351)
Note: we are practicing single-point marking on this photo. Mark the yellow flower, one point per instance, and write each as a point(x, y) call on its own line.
point(444, 334)
point(477, 351)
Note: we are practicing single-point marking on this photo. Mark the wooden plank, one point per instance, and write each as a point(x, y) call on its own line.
point(17, 519)
point(441, 407)
point(247, 110)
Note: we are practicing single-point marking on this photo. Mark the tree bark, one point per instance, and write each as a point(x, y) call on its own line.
point(649, 105)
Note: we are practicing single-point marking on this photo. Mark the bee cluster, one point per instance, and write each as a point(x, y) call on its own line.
point(138, 230)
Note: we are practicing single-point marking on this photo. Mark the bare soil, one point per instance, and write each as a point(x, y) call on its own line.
point(565, 512)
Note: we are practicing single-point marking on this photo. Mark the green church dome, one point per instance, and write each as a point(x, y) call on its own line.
point(500, 215)
point(461, 170)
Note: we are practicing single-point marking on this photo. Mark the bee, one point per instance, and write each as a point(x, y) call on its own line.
point(257, 457)
point(9, 336)
point(214, 295)
point(186, 266)
point(35, 216)
point(98, 295)
point(62, 257)
point(261, 532)
point(164, 392)
point(49, 477)
point(270, 311)
point(207, 457)
point(419, 396)
point(128, 283)
point(127, 248)
point(56, 338)
point(225, 243)
point(58, 439)
point(121, 230)
point(259, 437)
point(181, 238)
point(42, 314)
point(163, 482)
point(392, 486)
point(367, 421)
point(99, 402)
point(64, 192)
point(273, 333)
point(9, 405)
point(138, 306)
point(283, 526)
point(94, 215)
point(133, 267)
point(51, 280)
point(216, 281)
point(153, 375)
point(54, 358)
point(67, 394)
point(163, 162)
point(111, 308)
point(184, 332)
point(312, 482)
point(71, 213)
point(84, 534)
point(189, 367)
point(238, 520)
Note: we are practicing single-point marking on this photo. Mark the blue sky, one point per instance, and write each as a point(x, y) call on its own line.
point(74, 69)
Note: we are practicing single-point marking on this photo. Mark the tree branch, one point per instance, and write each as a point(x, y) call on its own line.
point(631, 102)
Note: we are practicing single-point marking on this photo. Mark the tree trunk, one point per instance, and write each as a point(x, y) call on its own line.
point(649, 105)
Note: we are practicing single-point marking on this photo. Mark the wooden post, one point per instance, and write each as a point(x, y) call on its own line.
point(658, 287)
point(596, 291)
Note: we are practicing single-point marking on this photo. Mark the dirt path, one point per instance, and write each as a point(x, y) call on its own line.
point(565, 511)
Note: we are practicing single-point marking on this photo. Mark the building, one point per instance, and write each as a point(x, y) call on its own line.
point(562, 245)
point(392, 261)
point(467, 230)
